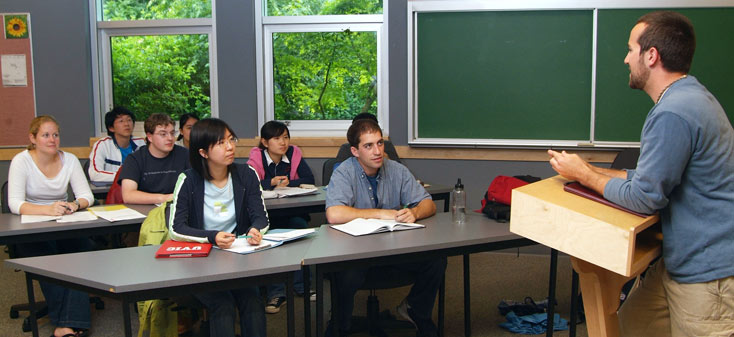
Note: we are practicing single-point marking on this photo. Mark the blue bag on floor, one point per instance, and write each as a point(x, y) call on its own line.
point(534, 324)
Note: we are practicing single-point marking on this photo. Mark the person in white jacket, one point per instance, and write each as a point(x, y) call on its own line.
point(108, 153)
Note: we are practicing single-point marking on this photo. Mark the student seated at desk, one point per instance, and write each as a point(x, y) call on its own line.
point(38, 179)
point(214, 202)
point(185, 123)
point(371, 186)
point(108, 153)
point(279, 164)
point(149, 174)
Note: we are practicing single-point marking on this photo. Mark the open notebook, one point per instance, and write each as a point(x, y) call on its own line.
point(362, 226)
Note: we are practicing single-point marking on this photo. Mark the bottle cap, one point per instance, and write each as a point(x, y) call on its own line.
point(459, 184)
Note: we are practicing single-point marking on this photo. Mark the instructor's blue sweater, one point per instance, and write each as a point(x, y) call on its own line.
point(686, 171)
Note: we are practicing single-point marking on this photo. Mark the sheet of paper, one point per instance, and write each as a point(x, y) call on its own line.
point(78, 216)
point(116, 213)
point(14, 70)
point(240, 246)
point(288, 235)
point(25, 218)
point(291, 191)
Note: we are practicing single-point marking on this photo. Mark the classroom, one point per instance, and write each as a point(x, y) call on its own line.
point(441, 135)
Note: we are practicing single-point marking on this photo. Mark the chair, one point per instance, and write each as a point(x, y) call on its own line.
point(42, 308)
point(327, 170)
point(85, 167)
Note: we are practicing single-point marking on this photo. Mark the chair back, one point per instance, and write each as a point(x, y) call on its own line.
point(626, 159)
point(85, 167)
point(4, 196)
point(328, 169)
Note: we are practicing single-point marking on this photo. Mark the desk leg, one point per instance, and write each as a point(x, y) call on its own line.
point(307, 300)
point(290, 305)
point(441, 306)
point(31, 305)
point(552, 292)
point(319, 302)
point(574, 303)
point(467, 297)
point(601, 289)
point(126, 318)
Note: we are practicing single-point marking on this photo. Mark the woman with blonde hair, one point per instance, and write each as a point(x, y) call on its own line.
point(38, 180)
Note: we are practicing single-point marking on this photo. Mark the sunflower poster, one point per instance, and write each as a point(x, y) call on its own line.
point(16, 26)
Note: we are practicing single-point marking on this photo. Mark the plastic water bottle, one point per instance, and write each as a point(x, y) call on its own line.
point(458, 203)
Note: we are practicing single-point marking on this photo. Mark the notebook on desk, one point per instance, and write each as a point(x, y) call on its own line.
point(172, 248)
point(360, 226)
point(580, 190)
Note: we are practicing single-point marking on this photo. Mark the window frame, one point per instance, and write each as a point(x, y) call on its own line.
point(103, 31)
point(267, 25)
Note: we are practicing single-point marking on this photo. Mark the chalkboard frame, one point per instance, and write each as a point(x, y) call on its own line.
point(417, 7)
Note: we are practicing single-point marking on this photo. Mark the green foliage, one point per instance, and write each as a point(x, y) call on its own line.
point(324, 75)
point(160, 73)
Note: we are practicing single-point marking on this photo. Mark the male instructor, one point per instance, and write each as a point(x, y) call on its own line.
point(686, 172)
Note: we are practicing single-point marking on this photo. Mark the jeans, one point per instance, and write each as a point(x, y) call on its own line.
point(66, 307)
point(222, 308)
point(421, 297)
point(296, 222)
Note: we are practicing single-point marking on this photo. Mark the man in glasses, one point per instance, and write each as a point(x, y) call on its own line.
point(149, 175)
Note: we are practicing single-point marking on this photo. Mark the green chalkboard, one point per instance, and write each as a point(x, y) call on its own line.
point(621, 111)
point(504, 75)
point(527, 75)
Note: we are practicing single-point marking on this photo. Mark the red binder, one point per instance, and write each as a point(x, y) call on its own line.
point(578, 189)
point(172, 248)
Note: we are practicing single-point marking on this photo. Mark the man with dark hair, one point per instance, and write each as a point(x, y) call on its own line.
point(368, 185)
point(149, 175)
point(108, 153)
point(345, 152)
point(686, 172)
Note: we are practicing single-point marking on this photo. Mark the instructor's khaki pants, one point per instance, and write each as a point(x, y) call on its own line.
point(660, 306)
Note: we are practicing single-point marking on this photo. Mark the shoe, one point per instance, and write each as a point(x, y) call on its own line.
point(312, 297)
point(274, 304)
point(425, 326)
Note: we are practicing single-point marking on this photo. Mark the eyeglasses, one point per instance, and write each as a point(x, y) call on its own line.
point(164, 134)
point(231, 141)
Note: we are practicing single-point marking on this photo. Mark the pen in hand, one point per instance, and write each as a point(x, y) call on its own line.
point(244, 236)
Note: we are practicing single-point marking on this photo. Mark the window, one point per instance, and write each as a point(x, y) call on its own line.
point(154, 57)
point(320, 63)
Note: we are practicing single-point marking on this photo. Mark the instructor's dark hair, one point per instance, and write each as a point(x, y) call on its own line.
point(672, 35)
point(205, 134)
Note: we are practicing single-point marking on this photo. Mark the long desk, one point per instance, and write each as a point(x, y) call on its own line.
point(12, 231)
point(134, 274)
point(333, 250)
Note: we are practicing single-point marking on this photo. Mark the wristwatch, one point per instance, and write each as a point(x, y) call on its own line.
point(77, 204)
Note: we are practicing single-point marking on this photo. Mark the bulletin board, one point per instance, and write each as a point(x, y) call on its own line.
point(17, 90)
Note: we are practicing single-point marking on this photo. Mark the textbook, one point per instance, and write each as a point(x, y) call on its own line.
point(362, 226)
point(172, 248)
point(580, 190)
point(282, 192)
point(285, 234)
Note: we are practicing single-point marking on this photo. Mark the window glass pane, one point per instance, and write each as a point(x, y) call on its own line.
point(324, 75)
point(322, 7)
point(161, 73)
point(155, 9)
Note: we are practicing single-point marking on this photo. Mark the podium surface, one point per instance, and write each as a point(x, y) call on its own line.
point(599, 234)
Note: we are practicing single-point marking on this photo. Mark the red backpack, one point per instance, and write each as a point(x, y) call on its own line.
point(497, 199)
point(114, 195)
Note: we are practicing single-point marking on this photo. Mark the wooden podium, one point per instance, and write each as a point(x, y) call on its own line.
point(608, 246)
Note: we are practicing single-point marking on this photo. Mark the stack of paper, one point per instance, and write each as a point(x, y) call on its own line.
point(282, 192)
point(241, 246)
point(284, 235)
point(361, 226)
point(116, 213)
point(73, 217)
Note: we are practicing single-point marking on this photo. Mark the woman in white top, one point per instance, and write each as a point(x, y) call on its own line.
point(37, 183)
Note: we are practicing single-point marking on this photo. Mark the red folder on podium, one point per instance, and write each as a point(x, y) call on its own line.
point(172, 248)
point(580, 190)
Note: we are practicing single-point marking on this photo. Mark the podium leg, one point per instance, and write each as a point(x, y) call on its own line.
point(601, 289)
